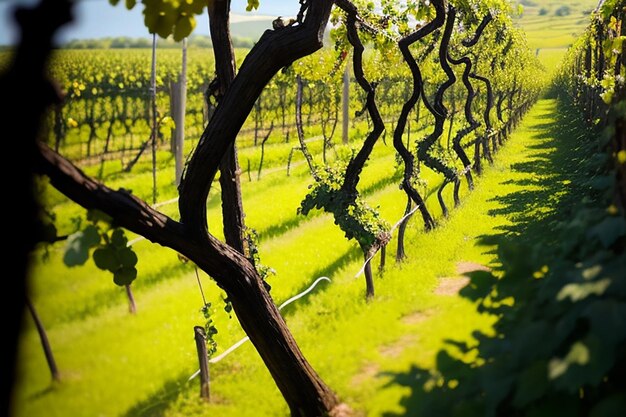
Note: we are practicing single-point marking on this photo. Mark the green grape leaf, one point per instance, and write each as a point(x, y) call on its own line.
point(91, 236)
point(608, 320)
point(609, 230)
point(105, 258)
point(75, 252)
point(578, 355)
point(552, 407)
point(126, 257)
point(118, 238)
point(78, 246)
point(602, 182)
point(533, 383)
point(252, 4)
point(183, 28)
point(613, 406)
point(124, 276)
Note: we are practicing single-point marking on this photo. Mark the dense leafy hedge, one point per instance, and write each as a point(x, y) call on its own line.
point(558, 347)
point(559, 342)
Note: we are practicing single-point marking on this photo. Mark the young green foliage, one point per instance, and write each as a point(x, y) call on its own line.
point(169, 17)
point(107, 245)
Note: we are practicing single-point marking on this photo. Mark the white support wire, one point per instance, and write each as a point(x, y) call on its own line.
point(393, 229)
point(297, 297)
point(245, 339)
point(286, 303)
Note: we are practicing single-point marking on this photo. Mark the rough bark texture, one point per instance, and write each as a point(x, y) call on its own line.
point(230, 184)
point(355, 167)
point(304, 391)
point(400, 252)
point(369, 277)
point(440, 112)
point(418, 86)
point(26, 93)
point(356, 164)
point(487, 114)
point(203, 361)
point(469, 116)
point(275, 50)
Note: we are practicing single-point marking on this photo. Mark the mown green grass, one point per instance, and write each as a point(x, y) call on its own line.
point(550, 35)
point(115, 364)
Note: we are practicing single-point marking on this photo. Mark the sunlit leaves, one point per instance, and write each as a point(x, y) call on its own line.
point(353, 216)
point(209, 330)
point(252, 5)
point(578, 355)
point(170, 17)
point(110, 248)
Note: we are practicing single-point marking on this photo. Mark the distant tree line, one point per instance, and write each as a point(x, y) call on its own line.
point(124, 42)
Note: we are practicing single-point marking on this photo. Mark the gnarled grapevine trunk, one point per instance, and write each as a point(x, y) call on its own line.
point(469, 116)
point(230, 184)
point(418, 87)
point(356, 165)
point(304, 391)
point(440, 113)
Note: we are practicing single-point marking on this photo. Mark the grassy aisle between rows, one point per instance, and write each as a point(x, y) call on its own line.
point(116, 365)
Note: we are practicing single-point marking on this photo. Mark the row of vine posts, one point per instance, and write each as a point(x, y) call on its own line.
point(230, 264)
point(595, 78)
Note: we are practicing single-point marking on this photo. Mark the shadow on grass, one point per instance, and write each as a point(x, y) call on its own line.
point(547, 181)
point(114, 295)
point(157, 404)
point(279, 229)
point(546, 185)
point(44, 392)
point(339, 263)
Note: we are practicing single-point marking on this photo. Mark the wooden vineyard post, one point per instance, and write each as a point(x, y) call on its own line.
point(154, 134)
point(203, 359)
point(346, 104)
point(132, 306)
point(45, 343)
point(179, 119)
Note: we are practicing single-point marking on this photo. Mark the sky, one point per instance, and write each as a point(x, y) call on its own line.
point(97, 18)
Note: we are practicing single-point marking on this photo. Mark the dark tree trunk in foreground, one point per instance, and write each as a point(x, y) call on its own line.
point(26, 93)
point(230, 183)
point(303, 390)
